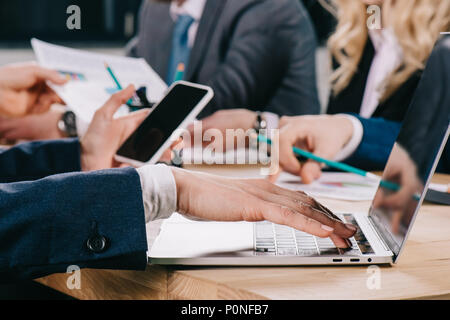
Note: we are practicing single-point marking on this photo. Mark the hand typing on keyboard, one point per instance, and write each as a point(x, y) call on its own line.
point(214, 198)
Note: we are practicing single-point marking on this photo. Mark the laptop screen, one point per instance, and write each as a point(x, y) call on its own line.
point(416, 152)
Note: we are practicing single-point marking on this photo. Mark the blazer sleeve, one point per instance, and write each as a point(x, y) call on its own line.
point(91, 220)
point(259, 57)
point(376, 145)
point(35, 160)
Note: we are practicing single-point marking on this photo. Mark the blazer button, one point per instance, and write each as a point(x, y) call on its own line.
point(96, 244)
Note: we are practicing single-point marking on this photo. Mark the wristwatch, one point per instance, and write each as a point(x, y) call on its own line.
point(260, 123)
point(260, 127)
point(68, 124)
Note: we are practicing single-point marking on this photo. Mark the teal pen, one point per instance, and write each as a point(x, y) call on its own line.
point(119, 86)
point(113, 76)
point(342, 166)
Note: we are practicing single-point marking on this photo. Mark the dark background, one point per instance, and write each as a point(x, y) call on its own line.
point(101, 20)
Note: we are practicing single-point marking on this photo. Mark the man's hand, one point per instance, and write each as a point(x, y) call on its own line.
point(106, 134)
point(23, 89)
point(213, 198)
point(32, 127)
point(322, 135)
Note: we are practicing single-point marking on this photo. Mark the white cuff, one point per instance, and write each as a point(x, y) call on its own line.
point(354, 142)
point(82, 125)
point(159, 191)
point(272, 120)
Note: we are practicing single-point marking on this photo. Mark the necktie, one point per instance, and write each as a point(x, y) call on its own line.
point(180, 46)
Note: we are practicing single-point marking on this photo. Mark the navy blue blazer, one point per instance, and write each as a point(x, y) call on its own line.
point(48, 212)
point(376, 145)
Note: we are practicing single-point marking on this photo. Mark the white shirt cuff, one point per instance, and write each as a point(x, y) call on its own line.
point(159, 191)
point(82, 125)
point(355, 140)
point(272, 120)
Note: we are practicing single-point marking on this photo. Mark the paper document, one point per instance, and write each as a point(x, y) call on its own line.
point(90, 85)
point(334, 185)
point(445, 188)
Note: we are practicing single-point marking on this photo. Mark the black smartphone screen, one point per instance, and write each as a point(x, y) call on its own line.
point(162, 122)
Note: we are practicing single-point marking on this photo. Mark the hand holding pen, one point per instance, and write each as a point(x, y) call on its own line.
point(325, 136)
point(139, 99)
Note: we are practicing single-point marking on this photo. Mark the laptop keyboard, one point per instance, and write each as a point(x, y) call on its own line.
point(273, 239)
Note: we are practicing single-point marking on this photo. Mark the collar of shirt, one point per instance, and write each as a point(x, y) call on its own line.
point(385, 38)
point(388, 57)
point(194, 8)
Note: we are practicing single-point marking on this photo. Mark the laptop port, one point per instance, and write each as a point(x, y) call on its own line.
point(354, 260)
point(337, 260)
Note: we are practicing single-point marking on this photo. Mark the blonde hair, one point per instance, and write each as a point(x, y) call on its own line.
point(415, 23)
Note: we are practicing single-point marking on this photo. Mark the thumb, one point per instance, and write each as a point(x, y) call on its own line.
point(288, 138)
point(132, 121)
point(310, 171)
point(49, 75)
point(116, 101)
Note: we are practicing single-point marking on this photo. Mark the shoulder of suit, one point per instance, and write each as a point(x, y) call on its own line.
point(441, 50)
point(444, 42)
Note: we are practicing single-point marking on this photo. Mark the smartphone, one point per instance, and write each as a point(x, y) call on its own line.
point(181, 105)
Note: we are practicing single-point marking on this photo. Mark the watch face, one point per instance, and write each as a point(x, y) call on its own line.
point(70, 123)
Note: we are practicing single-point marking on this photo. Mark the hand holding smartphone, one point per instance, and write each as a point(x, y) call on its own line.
point(181, 105)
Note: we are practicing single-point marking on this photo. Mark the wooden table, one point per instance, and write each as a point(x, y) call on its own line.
point(423, 271)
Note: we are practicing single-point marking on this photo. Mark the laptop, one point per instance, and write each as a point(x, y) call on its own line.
point(382, 232)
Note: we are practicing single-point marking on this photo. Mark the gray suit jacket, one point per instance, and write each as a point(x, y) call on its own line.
point(257, 54)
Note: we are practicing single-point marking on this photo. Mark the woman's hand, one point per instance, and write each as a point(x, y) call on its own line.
point(213, 198)
point(322, 135)
point(23, 89)
point(106, 134)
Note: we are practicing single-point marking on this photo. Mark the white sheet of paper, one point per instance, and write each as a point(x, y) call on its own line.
point(175, 238)
point(334, 185)
point(93, 85)
point(439, 187)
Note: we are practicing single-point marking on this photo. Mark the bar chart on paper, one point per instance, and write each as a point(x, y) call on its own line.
point(334, 185)
point(73, 76)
